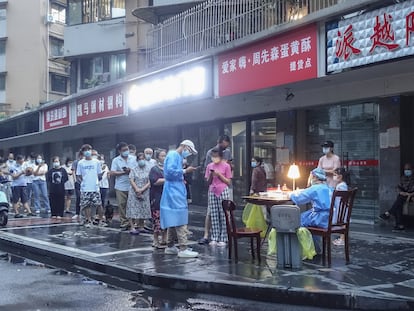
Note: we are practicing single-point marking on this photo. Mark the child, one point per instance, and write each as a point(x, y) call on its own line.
point(218, 175)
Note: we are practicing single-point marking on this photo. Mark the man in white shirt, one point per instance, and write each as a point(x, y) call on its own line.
point(89, 173)
point(19, 184)
point(148, 152)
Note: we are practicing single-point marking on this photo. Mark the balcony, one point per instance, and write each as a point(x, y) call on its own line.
point(215, 23)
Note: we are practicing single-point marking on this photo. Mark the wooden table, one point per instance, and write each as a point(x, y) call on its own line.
point(268, 202)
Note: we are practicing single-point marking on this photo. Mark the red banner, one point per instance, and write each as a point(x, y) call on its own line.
point(100, 106)
point(56, 117)
point(280, 60)
point(366, 162)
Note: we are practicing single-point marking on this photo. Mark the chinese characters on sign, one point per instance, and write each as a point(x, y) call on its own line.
point(283, 59)
point(56, 117)
point(367, 162)
point(379, 35)
point(103, 105)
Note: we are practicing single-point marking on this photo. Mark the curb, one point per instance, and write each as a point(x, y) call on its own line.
point(125, 277)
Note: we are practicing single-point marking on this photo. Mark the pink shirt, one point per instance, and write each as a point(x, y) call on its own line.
point(331, 163)
point(217, 186)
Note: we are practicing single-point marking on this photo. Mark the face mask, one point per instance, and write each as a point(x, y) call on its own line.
point(253, 164)
point(335, 178)
point(56, 164)
point(69, 165)
point(215, 160)
point(408, 173)
point(125, 153)
point(141, 163)
point(160, 164)
point(87, 153)
point(186, 153)
point(38, 161)
point(325, 150)
point(148, 157)
point(95, 157)
point(184, 161)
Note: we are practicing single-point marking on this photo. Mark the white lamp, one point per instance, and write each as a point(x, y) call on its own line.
point(293, 173)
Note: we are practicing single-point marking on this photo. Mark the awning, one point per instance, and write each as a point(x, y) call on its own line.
point(157, 14)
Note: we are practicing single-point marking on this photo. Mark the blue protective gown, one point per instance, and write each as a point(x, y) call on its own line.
point(173, 206)
point(319, 195)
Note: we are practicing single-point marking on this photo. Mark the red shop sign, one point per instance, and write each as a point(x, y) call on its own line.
point(100, 106)
point(56, 117)
point(287, 58)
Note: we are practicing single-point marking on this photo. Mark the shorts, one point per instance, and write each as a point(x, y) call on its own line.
point(90, 199)
point(69, 192)
point(19, 193)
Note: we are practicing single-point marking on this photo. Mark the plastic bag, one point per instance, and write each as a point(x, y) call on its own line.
point(306, 243)
point(271, 243)
point(253, 218)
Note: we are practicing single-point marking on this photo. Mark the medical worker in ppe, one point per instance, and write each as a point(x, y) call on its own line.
point(319, 195)
point(173, 206)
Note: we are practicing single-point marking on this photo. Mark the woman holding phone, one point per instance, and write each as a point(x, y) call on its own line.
point(218, 176)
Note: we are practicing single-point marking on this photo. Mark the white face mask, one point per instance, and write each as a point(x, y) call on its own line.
point(335, 178)
point(325, 150)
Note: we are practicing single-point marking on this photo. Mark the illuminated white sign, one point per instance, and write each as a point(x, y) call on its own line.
point(375, 36)
point(184, 84)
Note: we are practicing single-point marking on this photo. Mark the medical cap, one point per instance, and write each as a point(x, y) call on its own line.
point(319, 173)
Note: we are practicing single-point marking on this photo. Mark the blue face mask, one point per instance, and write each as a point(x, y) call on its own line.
point(408, 173)
point(148, 157)
point(87, 153)
point(141, 163)
point(125, 153)
point(253, 164)
point(186, 153)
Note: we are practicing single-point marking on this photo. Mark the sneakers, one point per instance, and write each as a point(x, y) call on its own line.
point(213, 243)
point(338, 242)
point(187, 254)
point(18, 216)
point(384, 216)
point(75, 217)
point(171, 250)
point(221, 244)
point(102, 224)
point(203, 241)
point(30, 214)
point(134, 232)
point(398, 228)
point(88, 225)
point(37, 212)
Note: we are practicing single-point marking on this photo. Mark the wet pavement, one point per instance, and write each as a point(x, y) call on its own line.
point(379, 277)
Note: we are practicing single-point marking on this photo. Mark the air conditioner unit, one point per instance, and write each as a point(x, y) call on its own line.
point(49, 19)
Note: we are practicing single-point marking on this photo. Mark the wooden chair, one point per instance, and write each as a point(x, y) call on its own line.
point(235, 233)
point(343, 201)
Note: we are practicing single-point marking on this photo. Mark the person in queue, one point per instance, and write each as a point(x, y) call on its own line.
point(56, 178)
point(148, 152)
point(405, 191)
point(132, 150)
point(329, 162)
point(319, 196)
point(104, 182)
point(19, 187)
point(156, 177)
point(138, 204)
point(218, 175)
point(77, 185)
point(223, 142)
point(259, 183)
point(341, 179)
point(69, 185)
point(173, 205)
point(89, 172)
point(120, 168)
point(39, 185)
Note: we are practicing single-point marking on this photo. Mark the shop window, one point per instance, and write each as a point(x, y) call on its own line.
point(92, 11)
point(264, 145)
point(102, 69)
point(2, 82)
point(56, 47)
point(58, 83)
point(241, 174)
point(58, 12)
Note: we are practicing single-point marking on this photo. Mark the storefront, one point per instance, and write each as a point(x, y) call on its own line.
point(278, 98)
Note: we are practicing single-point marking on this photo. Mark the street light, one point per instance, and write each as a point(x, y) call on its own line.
point(293, 173)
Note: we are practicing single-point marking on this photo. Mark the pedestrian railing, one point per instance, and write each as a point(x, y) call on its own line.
point(214, 23)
